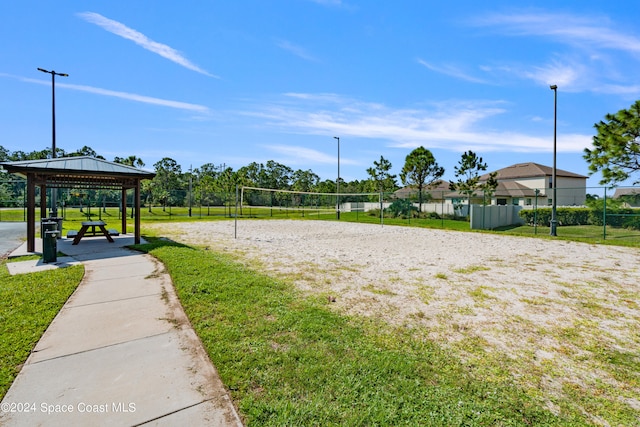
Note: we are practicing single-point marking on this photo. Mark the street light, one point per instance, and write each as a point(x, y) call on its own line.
point(338, 181)
point(54, 191)
point(554, 220)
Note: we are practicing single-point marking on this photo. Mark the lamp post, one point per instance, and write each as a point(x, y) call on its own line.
point(338, 181)
point(554, 220)
point(54, 191)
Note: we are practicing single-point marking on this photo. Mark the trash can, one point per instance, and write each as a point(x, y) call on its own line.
point(57, 219)
point(49, 241)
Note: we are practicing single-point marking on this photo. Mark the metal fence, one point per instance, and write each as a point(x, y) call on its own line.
point(592, 212)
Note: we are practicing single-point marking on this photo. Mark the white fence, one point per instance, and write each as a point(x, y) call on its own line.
point(440, 208)
point(493, 216)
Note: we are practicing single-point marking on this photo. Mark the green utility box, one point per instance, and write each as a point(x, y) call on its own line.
point(49, 241)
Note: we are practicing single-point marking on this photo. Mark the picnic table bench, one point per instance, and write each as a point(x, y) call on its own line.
point(85, 230)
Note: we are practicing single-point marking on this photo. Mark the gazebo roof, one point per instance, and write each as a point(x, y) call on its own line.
point(80, 172)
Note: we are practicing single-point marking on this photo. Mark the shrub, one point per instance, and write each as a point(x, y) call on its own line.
point(616, 217)
point(402, 208)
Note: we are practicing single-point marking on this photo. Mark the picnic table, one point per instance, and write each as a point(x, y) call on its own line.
point(92, 224)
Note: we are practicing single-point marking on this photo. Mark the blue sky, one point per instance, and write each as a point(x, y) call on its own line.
point(233, 82)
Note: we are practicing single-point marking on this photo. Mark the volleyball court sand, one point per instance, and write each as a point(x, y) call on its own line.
point(540, 303)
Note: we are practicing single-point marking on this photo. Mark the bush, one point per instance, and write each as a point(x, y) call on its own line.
point(402, 208)
point(616, 217)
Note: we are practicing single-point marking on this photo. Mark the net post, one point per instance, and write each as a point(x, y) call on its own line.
point(235, 225)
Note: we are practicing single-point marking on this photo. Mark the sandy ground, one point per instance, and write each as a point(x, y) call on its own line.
point(542, 304)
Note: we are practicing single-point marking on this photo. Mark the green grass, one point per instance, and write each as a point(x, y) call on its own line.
point(28, 304)
point(288, 359)
point(579, 233)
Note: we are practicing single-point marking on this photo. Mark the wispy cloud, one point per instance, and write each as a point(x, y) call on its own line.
point(296, 50)
point(304, 156)
point(122, 95)
point(576, 30)
point(328, 2)
point(452, 71)
point(587, 61)
point(455, 126)
point(141, 40)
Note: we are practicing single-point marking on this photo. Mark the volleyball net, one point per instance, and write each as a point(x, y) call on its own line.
point(260, 202)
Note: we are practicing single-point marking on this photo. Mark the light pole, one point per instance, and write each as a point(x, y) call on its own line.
point(554, 220)
point(338, 181)
point(54, 191)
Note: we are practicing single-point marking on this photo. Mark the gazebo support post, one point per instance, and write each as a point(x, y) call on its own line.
point(123, 199)
point(136, 199)
point(43, 201)
point(31, 214)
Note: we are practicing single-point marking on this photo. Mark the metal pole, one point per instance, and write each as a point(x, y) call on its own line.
point(190, 187)
point(235, 222)
point(554, 220)
point(54, 190)
point(338, 182)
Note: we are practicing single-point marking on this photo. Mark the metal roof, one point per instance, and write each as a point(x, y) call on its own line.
point(81, 171)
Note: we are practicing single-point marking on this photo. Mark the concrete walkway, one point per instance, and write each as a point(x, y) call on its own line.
point(121, 352)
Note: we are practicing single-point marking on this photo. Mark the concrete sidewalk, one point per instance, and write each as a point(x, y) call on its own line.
point(121, 352)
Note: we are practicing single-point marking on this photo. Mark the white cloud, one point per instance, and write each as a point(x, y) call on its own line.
point(590, 60)
point(454, 126)
point(452, 71)
point(141, 40)
point(303, 155)
point(123, 95)
point(564, 28)
point(561, 74)
point(296, 50)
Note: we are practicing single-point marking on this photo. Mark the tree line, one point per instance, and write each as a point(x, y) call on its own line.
point(615, 153)
point(215, 184)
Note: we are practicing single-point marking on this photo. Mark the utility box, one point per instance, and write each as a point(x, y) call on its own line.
point(49, 241)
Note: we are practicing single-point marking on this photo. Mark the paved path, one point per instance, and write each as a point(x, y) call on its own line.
point(12, 234)
point(121, 352)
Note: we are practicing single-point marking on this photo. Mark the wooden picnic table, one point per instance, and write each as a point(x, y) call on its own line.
point(92, 224)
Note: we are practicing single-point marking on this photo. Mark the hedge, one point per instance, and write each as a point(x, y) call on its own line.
point(616, 217)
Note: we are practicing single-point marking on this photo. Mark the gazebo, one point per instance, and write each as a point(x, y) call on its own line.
point(77, 172)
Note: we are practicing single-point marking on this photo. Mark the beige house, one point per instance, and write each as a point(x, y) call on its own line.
point(525, 184)
point(630, 196)
point(433, 194)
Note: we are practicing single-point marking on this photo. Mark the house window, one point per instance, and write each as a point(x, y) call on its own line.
point(528, 201)
point(501, 202)
point(550, 182)
point(515, 201)
point(549, 202)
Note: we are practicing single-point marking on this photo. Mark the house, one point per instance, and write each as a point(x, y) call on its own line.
point(630, 196)
point(528, 184)
point(432, 194)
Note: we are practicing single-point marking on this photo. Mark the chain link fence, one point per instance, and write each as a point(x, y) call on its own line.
point(592, 213)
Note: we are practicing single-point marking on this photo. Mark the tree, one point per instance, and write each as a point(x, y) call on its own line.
point(167, 179)
point(84, 151)
point(304, 180)
point(379, 173)
point(468, 174)
point(420, 170)
point(134, 161)
point(616, 147)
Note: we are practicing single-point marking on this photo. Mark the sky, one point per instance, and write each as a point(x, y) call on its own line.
point(235, 82)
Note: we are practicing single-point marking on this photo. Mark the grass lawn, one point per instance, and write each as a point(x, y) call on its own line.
point(288, 359)
point(580, 233)
point(28, 304)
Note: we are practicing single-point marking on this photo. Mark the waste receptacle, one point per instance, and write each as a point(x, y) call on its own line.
point(58, 220)
point(49, 241)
